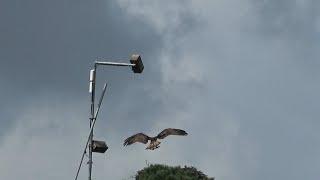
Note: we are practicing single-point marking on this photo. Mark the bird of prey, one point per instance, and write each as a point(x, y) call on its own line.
point(154, 144)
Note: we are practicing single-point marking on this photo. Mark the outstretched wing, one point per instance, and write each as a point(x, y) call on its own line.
point(140, 137)
point(171, 131)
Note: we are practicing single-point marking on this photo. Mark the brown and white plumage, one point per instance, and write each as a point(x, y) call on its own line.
point(140, 137)
point(171, 131)
point(154, 144)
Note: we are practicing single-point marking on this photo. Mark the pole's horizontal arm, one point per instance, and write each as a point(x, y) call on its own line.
point(113, 63)
point(135, 63)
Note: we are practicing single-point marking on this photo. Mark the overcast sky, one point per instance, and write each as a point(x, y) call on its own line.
point(241, 77)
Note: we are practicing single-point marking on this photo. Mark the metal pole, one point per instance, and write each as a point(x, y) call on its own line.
point(92, 89)
point(91, 129)
point(93, 84)
point(94, 114)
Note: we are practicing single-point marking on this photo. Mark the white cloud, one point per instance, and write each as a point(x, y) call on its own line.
point(228, 62)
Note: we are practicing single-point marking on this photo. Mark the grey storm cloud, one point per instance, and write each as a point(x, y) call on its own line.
point(49, 48)
point(241, 77)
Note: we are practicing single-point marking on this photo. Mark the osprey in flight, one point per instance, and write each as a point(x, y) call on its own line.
point(154, 144)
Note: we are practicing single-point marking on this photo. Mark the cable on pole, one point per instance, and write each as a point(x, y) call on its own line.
point(91, 129)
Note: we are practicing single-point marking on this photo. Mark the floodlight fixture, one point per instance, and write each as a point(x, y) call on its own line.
point(99, 146)
point(138, 65)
